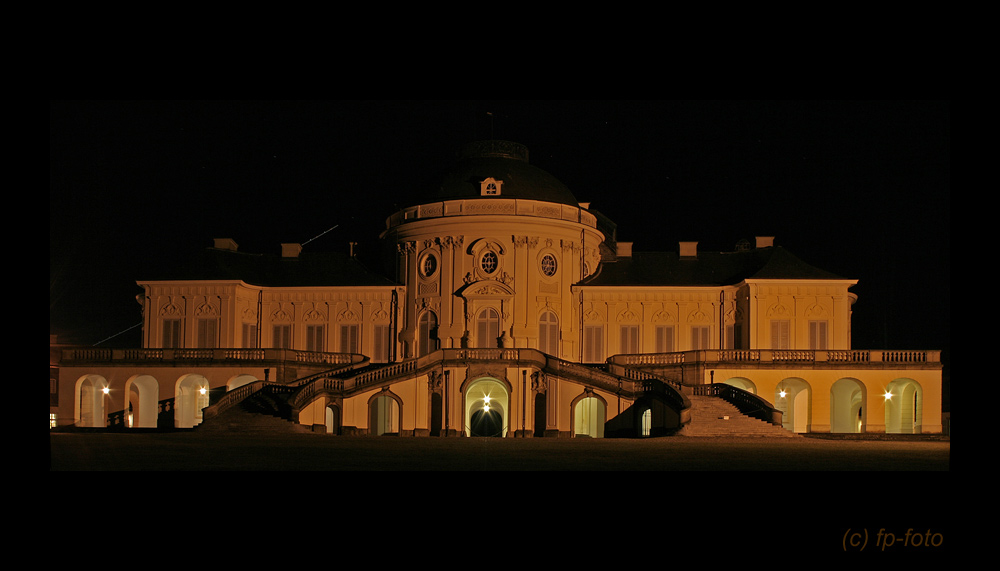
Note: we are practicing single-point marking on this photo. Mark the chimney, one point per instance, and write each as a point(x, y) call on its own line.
point(225, 244)
point(689, 249)
point(625, 249)
point(765, 241)
point(291, 250)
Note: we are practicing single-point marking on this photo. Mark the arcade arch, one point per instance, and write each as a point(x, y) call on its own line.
point(191, 397)
point(143, 401)
point(589, 412)
point(848, 405)
point(903, 407)
point(742, 383)
point(91, 393)
point(793, 396)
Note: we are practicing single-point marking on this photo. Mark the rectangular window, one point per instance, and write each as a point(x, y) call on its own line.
point(282, 338)
point(249, 335)
point(171, 333)
point(208, 333)
point(315, 338)
point(664, 338)
point(629, 339)
point(383, 344)
point(817, 335)
point(780, 338)
point(593, 343)
point(350, 338)
point(700, 337)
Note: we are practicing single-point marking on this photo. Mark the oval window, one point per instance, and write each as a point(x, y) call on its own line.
point(549, 265)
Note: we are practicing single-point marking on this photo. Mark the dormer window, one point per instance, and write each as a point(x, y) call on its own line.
point(490, 187)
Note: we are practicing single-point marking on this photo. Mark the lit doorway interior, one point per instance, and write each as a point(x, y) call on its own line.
point(486, 405)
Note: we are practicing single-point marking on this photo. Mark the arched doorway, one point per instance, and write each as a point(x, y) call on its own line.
point(792, 398)
point(903, 407)
point(143, 402)
point(385, 411)
point(331, 418)
point(847, 406)
point(486, 405)
point(190, 398)
point(91, 392)
point(589, 416)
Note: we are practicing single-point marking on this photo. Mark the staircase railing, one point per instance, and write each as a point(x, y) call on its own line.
point(746, 402)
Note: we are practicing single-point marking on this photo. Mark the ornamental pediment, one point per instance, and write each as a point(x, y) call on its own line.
point(485, 289)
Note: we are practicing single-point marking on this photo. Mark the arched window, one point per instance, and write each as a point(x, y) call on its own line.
point(427, 334)
point(548, 333)
point(487, 328)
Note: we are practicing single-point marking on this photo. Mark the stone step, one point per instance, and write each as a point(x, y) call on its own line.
point(713, 416)
point(237, 419)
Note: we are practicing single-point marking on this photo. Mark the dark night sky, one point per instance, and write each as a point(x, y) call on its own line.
point(859, 188)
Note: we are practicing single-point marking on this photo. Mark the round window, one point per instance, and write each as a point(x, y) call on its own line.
point(549, 265)
point(428, 265)
point(489, 262)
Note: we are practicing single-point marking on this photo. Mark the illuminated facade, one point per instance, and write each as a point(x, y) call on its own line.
point(510, 309)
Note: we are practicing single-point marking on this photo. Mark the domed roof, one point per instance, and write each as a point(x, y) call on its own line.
point(505, 162)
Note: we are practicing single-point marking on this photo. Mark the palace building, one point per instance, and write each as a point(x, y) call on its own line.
point(502, 307)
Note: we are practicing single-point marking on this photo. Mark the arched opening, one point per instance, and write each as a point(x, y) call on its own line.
point(190, 398)
point(548, 333)
point(792, 398)
point(588, 417)
point(742, 383)
point(385, 415)
point(488, 329)
point(143, 402)
point(332, 419)
point(903, 407)
point(239, 381)
point(486, 405)
point(427, 333)
point(90, 404)
point(847, 406)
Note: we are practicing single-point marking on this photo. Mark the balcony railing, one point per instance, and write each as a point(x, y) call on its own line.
point(762, 356)
point(100, 355)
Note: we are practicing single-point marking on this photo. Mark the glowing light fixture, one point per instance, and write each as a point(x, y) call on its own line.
point(782, 393)
point(106, 390)
point(202, 390)
point(887, 395)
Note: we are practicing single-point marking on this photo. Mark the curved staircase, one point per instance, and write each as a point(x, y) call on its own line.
point(714, 417)
point(263, 411)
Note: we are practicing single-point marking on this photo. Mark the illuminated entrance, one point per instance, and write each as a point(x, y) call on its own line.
point(486, 405)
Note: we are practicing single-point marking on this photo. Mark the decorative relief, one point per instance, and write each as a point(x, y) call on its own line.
point(206, 309)
point(663, 316)
point(170, 309)
point(628, 315)
point(816, 310)
point(778, 310)
point(348, 314)
point(428, 289)
point(699, 316)
point(280, 314)
point(314, 315)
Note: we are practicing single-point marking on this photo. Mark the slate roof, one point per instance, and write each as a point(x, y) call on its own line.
point(708, 269)
point(309, 269)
